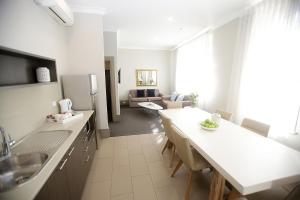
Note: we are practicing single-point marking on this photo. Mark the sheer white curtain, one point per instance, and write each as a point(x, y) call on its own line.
point(266, 73)
point(195, 69)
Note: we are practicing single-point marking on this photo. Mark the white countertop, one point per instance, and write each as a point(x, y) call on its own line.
point(250, 162)
point(29, 189)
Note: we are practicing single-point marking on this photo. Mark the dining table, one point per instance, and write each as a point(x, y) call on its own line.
point(248, 161)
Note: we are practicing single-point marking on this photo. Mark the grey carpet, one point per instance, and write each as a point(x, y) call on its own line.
point(135, 121)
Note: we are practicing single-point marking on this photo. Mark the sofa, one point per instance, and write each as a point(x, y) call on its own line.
point(134, 99)
point(168, 104)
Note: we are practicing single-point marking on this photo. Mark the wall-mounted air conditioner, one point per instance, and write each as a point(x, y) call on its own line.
point(59, 10)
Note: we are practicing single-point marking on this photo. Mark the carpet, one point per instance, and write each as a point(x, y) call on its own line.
point(135, 121)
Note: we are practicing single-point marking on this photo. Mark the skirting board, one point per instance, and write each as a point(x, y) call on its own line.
point(104, 133)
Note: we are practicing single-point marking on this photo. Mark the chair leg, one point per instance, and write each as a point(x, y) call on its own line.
point(189, 185)
point(173, 156)
point(166, 145)
point(177, 167)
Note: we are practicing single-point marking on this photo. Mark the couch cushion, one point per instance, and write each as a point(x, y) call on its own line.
point(132, 93)
point(150, 92)
point(173, 96)
point(154, 98)
point(180, 97)
point(140, 99)
point(140, 93)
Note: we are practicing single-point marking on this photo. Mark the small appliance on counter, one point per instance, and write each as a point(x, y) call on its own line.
point(65, 106)
point(66, 113)
point(43, 75)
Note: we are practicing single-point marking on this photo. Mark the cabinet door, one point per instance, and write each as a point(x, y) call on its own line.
point(56, 187)
point(43, 193)
point(74, 170)
point(58, 183)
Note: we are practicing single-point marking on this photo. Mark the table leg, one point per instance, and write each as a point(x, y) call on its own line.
point(217, 186)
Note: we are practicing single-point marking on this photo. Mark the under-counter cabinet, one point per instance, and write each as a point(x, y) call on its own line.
point(68, 179)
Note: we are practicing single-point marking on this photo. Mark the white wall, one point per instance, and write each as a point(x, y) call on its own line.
point(86, 55)
point(111, 49)
point(110, 43)
point(224, 42)
point(129, 60)
point(26, 27)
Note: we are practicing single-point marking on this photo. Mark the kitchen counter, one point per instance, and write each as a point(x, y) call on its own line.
point(29, 189)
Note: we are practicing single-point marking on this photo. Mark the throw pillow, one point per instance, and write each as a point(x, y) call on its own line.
point(151, 92)
point(140, 93)
point(180, 97)
point(173, 96)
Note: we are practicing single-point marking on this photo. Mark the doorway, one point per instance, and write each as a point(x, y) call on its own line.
point(108, 95)
point(108, 92)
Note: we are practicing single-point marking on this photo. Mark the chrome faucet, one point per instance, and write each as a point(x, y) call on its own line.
point(7, 143)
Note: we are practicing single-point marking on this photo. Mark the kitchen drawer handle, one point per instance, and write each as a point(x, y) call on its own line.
point(87, 159)
point(86, 149)
point(70, 153)
point(63, 164)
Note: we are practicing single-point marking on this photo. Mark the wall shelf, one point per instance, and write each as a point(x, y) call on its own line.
point(19, 68)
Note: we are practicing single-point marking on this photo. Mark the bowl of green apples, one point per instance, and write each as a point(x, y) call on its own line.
point(209, 125)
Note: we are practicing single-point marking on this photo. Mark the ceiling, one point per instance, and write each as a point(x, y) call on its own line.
point(161, 24)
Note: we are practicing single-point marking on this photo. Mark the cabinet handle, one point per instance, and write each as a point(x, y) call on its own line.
point(87, 159)
point(63, 164)
point(86, 149)
point(70, 153)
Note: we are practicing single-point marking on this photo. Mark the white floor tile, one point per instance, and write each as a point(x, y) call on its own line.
point(121, 181)
point(97, 190)
point(122, 197)
point(167, 193)
point(101, 169)
point(138, 165)
point(143, 188)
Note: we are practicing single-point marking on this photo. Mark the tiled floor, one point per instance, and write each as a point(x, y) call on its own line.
point(132, 167)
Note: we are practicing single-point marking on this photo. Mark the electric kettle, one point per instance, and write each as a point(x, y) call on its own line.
point(65, 105)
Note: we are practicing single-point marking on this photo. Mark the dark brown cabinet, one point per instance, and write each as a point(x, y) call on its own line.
point(68, 180)
point(56, 186)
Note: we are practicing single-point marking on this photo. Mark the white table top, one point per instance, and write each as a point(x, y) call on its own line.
point(250, 162)
point(150, 105)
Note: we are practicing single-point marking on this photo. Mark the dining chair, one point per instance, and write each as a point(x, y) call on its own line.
point(255, 126)
point(187, 155)
point(225, 115)
point(170, 142)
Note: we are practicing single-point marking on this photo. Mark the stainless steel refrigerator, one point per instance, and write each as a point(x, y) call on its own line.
point(81, 89)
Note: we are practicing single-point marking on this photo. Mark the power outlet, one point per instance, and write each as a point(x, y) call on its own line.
point(54, 104)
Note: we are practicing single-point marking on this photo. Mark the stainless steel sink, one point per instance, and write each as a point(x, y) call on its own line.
point(18, 169)
point(29, 156)
point(43, 141)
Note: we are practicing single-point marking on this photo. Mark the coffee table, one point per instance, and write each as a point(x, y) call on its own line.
point(150, 107)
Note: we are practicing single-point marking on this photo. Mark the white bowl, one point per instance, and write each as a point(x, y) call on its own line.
point(208, 129)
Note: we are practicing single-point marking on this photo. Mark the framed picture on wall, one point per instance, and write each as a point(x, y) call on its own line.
point(146, 77)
